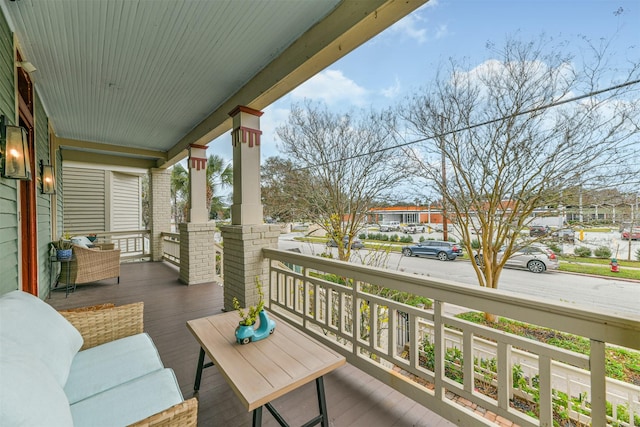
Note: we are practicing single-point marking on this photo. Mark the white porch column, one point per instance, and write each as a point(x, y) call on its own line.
point(247, 235)
point(160, 210)
point(197, 255)
point(245, 137)
point(198, 184)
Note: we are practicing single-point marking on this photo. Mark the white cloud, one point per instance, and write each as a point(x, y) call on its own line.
point(411, 27)
point(393, 90)
point(331, 87)
point(414, 26)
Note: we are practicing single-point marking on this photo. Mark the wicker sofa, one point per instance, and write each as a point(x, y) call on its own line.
point(90, 265)
point(91, 367)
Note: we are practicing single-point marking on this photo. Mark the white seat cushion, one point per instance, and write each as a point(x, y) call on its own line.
point(100, 368)
point(29, 394)
point(129, 402)
point(40, 331)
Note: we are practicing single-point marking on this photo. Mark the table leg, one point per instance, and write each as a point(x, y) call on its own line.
point(68, 278)
point(322, 402)
point(257, 417)
point(276, 415)
point(201, 366)
point(196, 385)
point(322, 419)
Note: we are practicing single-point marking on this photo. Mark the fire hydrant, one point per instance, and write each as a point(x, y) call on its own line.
point(614, 265)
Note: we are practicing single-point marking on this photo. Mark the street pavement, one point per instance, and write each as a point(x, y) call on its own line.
point(610, 295)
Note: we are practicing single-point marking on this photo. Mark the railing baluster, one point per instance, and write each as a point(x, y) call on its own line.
point(439, 350)
point(546, 406)
point(598, 384)
point(504, 377)
point(392, 331)
point(467, 354)
point(414, 342)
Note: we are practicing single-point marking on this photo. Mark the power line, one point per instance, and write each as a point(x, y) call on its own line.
point(476, 125)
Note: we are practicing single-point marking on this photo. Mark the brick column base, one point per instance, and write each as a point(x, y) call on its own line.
point(243, 261)
point(197, 255)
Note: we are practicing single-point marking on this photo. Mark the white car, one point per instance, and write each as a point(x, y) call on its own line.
point(413, 228)
point(390, 226)
point(535, 258)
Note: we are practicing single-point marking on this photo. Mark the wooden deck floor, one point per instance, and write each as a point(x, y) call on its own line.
point(353, 397)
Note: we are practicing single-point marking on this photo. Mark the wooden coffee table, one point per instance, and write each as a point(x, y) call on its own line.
point(262, 371)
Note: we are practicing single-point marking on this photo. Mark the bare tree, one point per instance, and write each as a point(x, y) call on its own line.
point(279, 181)
point(346, 165)
point(510, 139)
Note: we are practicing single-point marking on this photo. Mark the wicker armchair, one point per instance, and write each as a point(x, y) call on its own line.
point(101, 324)
point(90, 265)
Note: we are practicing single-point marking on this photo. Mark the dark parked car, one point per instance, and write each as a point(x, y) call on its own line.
point(355, 244)
point(538, 230)
point(442, 250)
point(565, 234)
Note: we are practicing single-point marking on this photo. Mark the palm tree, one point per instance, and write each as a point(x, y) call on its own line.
point(179, 192)
point(219, 177)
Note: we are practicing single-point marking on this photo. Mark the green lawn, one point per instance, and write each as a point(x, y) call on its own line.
point(600, 270)
point(599, 261)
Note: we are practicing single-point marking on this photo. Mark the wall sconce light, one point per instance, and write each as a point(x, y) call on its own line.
point(14, 152)
point(48, 180)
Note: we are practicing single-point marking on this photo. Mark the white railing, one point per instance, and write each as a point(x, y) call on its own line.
point(354, 319)
point(133, 244)
point(171, 253)
point(171, 248)
point(564, 378)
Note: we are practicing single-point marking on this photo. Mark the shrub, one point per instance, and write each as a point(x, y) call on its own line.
point(602, 252)
point(475, 244)
point(362, 236)
point(377, 236)
point(422, 239)
point(394, 238)
point(406, 239)
point(638, 254)
point(583, 252)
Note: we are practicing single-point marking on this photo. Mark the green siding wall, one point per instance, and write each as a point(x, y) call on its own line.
point(8, 187)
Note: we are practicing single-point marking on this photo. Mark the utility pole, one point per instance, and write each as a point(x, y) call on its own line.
point(631, 225)
point(445, 231)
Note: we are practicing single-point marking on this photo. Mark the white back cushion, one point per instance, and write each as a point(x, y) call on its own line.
point(82, 241)
point(39, 331)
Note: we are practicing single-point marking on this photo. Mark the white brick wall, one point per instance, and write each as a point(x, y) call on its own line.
point(160, 192)
point(197, 253)
point(243, 261)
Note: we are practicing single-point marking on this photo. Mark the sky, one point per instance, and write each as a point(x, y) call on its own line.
point(403, 58)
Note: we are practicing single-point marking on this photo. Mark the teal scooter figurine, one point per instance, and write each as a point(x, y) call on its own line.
point(246, 333)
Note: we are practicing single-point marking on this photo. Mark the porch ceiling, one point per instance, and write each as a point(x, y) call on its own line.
point(150, 77)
